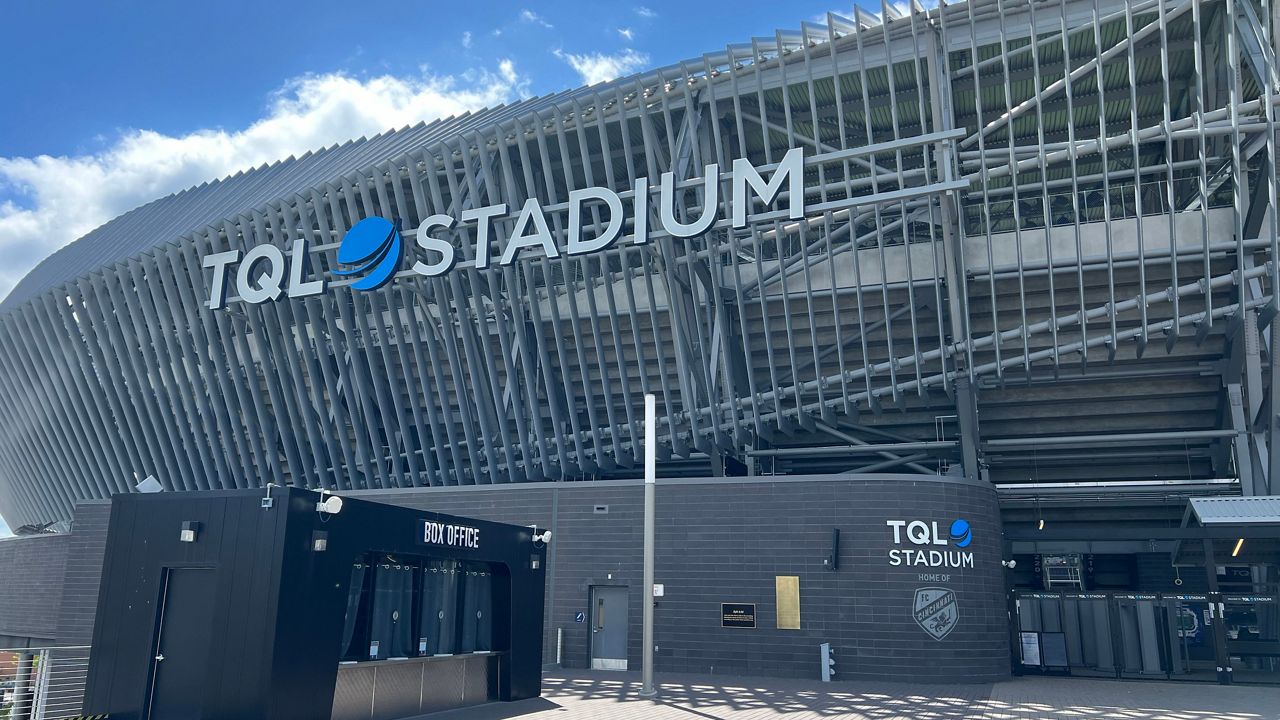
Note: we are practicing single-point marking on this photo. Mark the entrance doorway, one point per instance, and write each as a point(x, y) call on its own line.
point(609, 619)
point(180, 654)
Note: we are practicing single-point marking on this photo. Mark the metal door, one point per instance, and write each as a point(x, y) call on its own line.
point(181, 650)
point(1141, 632)
point(609, 615)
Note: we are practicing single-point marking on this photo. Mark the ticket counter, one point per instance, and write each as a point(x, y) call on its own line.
point(289, 604)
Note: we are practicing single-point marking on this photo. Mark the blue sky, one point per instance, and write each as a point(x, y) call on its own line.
point(110, 105)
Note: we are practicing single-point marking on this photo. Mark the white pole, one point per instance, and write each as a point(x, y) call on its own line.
point(650, 480)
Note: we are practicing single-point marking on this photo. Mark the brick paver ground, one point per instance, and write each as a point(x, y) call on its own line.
point(614, 696)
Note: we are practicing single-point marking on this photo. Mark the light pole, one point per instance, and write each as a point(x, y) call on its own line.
point(650, 480)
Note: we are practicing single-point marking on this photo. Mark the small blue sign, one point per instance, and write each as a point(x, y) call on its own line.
point(580, 617)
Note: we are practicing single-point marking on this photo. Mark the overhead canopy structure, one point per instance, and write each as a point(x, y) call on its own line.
point(1237, 510)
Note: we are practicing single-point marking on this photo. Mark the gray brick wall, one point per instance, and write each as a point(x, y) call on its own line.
point(31, 570)
point(720, 541)
point(88, 541)
point(725, 541)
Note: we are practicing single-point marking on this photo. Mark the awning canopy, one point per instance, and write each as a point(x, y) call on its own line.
point(1255, 510)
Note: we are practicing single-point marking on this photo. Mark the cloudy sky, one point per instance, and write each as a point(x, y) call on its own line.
point(130, 101)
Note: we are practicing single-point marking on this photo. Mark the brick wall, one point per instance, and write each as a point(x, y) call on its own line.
point(725, 541)
point(31, 570)
point(721, 540)
point(87, 543)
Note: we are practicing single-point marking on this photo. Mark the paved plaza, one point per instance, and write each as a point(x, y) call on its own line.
point(614, 696)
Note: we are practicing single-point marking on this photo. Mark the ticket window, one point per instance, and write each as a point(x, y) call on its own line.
point(408, 607)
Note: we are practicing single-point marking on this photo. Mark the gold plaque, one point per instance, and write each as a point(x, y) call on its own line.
point(788, 587)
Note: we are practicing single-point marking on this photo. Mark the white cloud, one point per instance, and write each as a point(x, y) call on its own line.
point(530, 16)
point(599, 67)
point(627, 33)
point(645, 12)
point(466, 39)
point(61, 198)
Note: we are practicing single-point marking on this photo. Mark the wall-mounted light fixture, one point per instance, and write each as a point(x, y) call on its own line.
point(190, 529)
point(331, 505)
point(832, 560)
point(543, 537)
point(1236, 551)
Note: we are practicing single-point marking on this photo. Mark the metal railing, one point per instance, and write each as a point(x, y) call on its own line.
point(47, 683)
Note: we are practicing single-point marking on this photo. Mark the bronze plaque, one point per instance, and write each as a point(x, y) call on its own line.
point(788, 590)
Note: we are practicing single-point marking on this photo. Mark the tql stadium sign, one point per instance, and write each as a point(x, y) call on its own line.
point(372, 251)
point(373, 247)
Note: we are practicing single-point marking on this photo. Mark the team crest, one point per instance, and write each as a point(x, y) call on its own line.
point(936, 611)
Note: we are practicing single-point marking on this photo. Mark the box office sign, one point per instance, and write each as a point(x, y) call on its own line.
point(738, 615)
point(448, 535)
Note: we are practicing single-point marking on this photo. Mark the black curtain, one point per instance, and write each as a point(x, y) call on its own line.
point(476, 618)
point(439, 607)
point(357, 610)
point(392, 624)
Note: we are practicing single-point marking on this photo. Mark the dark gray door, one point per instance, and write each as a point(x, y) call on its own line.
point(180, 664)
point(608, 628)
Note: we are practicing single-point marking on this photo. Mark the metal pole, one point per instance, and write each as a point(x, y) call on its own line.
point(650, 480)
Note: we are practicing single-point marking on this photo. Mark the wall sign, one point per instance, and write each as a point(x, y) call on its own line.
point(372, 248)
point(925, 545)
point(936, 611)
point(738, 615)
point(435, 533)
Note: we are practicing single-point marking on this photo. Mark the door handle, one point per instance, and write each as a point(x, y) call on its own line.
point(160, 658)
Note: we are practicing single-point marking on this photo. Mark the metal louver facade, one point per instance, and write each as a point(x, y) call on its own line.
point(1044, 260)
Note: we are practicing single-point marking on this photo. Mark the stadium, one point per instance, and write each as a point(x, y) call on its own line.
point(995, 275)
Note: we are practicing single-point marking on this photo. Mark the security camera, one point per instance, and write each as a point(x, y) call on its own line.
point(546, 536)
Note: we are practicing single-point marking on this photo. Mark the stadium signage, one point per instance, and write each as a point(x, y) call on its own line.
point(374, 246)
point(434, 533)
point(930, 544)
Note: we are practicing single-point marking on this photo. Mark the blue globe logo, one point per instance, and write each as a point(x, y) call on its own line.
point(961, 533)
point(374, 245)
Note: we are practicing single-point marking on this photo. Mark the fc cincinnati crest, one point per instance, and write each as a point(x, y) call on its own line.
point(936, 611)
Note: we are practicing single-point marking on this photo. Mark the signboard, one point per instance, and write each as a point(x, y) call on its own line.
point(580, 617)
point(659, 590)
point(1030, 643)
point(437, 533)
point(372, 252)
point(738, 615)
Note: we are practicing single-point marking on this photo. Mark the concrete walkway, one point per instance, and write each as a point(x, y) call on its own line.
point(613, 696)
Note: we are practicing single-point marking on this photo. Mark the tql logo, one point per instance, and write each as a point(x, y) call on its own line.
point(927, 534)
point(374, 245)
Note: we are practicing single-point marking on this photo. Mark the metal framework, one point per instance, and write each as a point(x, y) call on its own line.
point(1052, 259)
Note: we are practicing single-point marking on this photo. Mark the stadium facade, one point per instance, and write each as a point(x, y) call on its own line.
point(988, 288)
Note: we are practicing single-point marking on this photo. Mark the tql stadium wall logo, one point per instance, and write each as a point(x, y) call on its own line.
point(927, 546)
point(373, 250)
